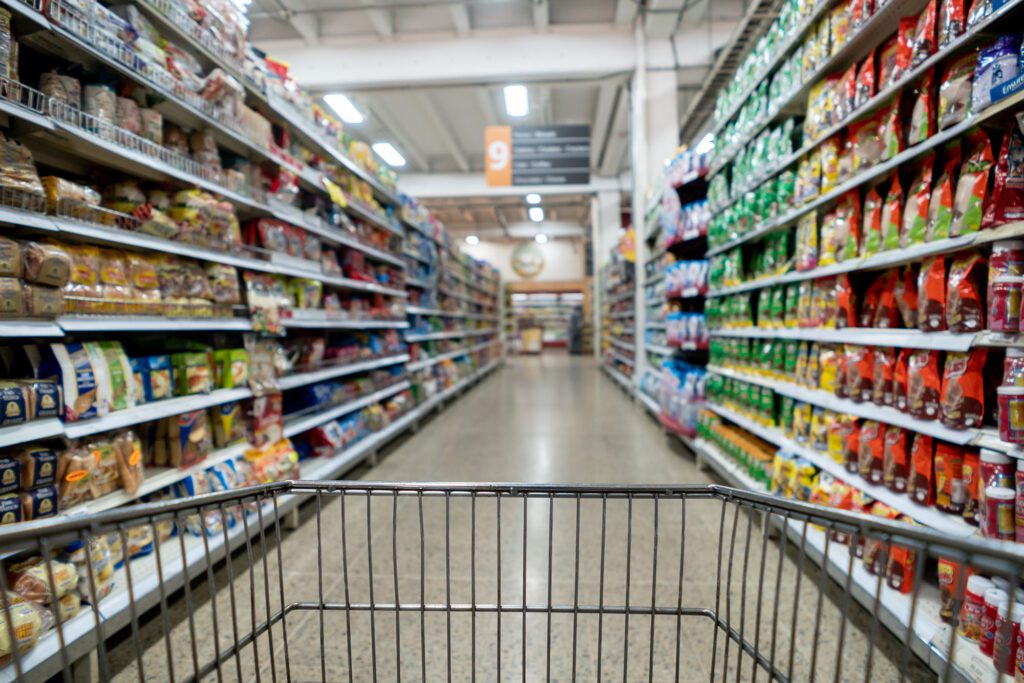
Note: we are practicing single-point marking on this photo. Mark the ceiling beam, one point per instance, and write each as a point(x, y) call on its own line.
point(486, 99)
point(460, 18)
point(663, 17)
point(625, 11)
point(398, 136)
point(307, 26)
point(541, 14)
point(618, 138)
point(445, 185)
point(381, 18)
point(603, 112)
point(443, 132)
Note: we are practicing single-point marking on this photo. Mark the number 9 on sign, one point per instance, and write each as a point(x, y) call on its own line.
point(498, 143)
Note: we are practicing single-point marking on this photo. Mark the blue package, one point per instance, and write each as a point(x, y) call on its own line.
point(9, 475)
point(10, 508)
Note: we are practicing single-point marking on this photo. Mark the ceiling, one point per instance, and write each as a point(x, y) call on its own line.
point(437, 121)
point(507, 216)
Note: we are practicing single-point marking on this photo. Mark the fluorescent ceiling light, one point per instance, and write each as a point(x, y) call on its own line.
point(540, 238)
point(387, 152)
point(533, 198)
point(472, 239)
point(536, 214)
point(517, 100)
point(344, 108)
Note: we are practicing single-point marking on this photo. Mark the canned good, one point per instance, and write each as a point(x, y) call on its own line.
point(1011, 413)
point(999, 512)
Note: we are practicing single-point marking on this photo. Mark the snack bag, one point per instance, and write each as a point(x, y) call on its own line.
point(882, 386)
point(920, 488)
point(923, 42)
point(922, 117)
point(865, 88)
point(896, 461)
point(890, 130)
point(931, 295)
point(940, 206)
point(1007, 203)
point(972, 188)
point(924, 385)
point(872, 226)
point(950, 492)
point(950, 22)
point(871, 458)
point(892, 216)
point(915, 215)
point(900, 380)
point(905, 294)
point(955, 90)
point(847, 226)
point(866, 143)
point(963, 389)
point(965, 303)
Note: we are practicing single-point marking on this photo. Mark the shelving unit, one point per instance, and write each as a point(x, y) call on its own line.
point(740, 174)
point(267, 187)
point(550, 311)
point(618, 326)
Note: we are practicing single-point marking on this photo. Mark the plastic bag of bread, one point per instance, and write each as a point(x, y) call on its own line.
point(84, 282)
point(140, 541)
point(39, 503)
point(68, 606)
point(124, 197)
point(46, 264)
point(75, 470)
point(10, 258)
point(43, 302)
point(26, 623)
point(102, 568)
point(58, 189)
point(12, 298)
point(17, 169)
point(223, 280)
point(31, 579)
point(128, 451)
point(128, 114)
point(105, 477)
point(153, 221)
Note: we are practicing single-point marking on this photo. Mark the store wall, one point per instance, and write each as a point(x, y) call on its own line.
point(563, 259)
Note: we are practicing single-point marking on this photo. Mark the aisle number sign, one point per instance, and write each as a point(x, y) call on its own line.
point(537, 155)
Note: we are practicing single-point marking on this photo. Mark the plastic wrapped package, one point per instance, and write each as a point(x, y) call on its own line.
point(12, 298)
point(997, 64)
point(1007, 203)
point(100, 102)
point(59, 189)
point(26, 621)
point(955, 91)
point(972, 186)
point(61, 88)
point(31, 579)
point(17, 169)
point(128, 451)
point(46, 264)
point(175, 139)
point(223, 281)
point(151, 124)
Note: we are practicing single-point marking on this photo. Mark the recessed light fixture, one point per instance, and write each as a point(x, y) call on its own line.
point(472, 239)
point(540, 238)
point(517, 100)
point(387, 152)
point(536, 214)
point(533, 198)
point(344, 108)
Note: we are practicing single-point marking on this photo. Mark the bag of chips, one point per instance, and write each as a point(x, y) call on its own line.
point(871, 458)
point(892, 216)
point(922, 44)
point(955, 91)
point(899, 380)
point(922, 117)
point(895, 460)
point(866, 143)
point(905, 44)
point(931, 295)
point(846, 303)
point(965, 303)
point(924, 385)
point(920, 485)
point(890, 130)
point(915, 214)
point(972, 188)
point(847, 226)
point(865, 85)
point(871, 232)
point(1007, 204)
point(940, 206)
point(963, 389)
point(885, 365)
point(905, 293)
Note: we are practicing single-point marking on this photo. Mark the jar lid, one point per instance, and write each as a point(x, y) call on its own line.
point(1000, 493)
point(1010, 390)
point(978, 584)
point(994, 596)
point(989, 455)
point(1008, 244)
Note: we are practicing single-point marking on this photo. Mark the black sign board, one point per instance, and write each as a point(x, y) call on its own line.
point(550, 155)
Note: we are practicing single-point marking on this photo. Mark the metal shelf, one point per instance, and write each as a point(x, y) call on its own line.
point(298, 425)
point(619, 378)
point(326, 322)
point(303, 378)
point(150, 323)
point(413, 338)
point(429, 362)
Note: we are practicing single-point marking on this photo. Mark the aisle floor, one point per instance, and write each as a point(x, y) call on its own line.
point(547, 419)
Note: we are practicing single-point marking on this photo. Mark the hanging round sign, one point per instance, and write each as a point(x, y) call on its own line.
point(527, 260)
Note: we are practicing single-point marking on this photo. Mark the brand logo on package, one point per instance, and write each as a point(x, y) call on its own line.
point(537, 155)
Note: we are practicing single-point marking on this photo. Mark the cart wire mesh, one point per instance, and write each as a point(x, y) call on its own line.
point(389, 581)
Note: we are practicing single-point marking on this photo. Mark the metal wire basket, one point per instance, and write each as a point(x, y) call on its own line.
point(526, 582)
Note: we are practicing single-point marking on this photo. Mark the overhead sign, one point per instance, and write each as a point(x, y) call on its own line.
point(537, 155)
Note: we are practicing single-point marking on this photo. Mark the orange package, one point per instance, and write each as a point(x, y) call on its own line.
point(931, 295)
point(895, 459)
point(871, 458)
point(920, 488)
point(950, 492)
point(963, 389)
point(924, 385)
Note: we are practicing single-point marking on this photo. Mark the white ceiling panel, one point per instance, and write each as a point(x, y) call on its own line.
point(582, 11)
point(485, 15)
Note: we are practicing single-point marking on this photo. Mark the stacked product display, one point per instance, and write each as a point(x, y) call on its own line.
point(552, 312)
point(866, 201)
point(675, 284)
point(453, 309)
point(619, 320)
point(160, 177)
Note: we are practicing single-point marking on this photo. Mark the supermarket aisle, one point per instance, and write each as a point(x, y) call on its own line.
point(551, 418)
point(546, 419)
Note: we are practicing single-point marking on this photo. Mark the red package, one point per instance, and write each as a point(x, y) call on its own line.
point(905, 293)
point(892, 216)
point(860, 373)
point(923, 42)
point(902, 568)
point(940, 206)
point(921, 461)
point(924, 385)
point(870, 460)
point(915, 213)
point(326, 441)
point(846, 303)
point(950, 492)
point(888, 60)
point(844, 95)
point(896, 462)
point(931, 295)
point(871, 232)
point(885, 366)
point(951, 21)
point(899, 380)
point(887, 313)
point(965, 302)
point(972, 187)
point(852, 442)
point(1007, 203)
point(922, 116)
point(861, 11)
point(872, 299)
point(266, 419)
point(865, 88)
point(971, 475)
point(846, 225)
point(905, 41)
point(963, 389)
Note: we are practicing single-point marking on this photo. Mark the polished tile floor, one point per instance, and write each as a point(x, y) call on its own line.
point(440, 565)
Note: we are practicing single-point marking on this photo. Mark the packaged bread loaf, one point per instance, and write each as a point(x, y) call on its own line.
point(12, 298)
point(43, 302)
point(10, 258)
point(128, 450)
point(38, 465)
point(15, 407)
point(44, 398)
point(75, 470)
point(10, 508)
point(39, 503)
point(31, 579)
point(60, 189)
point(10, 476)
point(25, 621)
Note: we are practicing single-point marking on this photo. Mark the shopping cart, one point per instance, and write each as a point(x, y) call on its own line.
point(533, 582)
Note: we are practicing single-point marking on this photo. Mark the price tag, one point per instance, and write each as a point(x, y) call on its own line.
point(337, 196)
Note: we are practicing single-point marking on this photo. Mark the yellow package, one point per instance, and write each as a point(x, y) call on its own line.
point(828, 154)
point(819, 429)
point(802, 422)
point(828, 361)
point(836, 437)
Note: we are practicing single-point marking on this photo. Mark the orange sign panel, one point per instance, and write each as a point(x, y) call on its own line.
point(498, 146)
